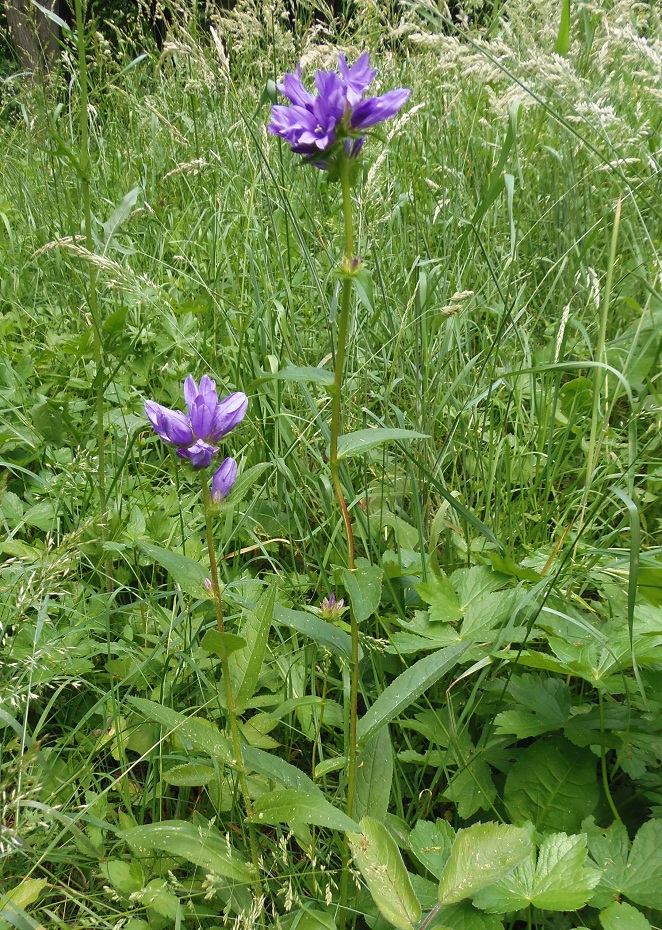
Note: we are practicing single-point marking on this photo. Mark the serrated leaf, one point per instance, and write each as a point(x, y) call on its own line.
point(378, 858)
point(553, 784)
point(222, 644)
point(559, 881)
point(622, 916)
point(543, 706)
point(472, 789)
point(444, 604)
point(374, 774)
point(464, 916)
point(364, 440)
point(125, 877)
point(290, 805)
point(245, 666)
point(644, 866)
point(431, 844)
point(157, 897)
point(407, 688)
point(609, 849)
point(480, 856)
point(187, 573)
point(364, 588)
point(206, 847)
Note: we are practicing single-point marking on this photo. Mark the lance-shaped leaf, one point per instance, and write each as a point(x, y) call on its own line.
point(245, 665)
point(292, 806)
point(378, 858)
point(407, 688)
point(364, 440)
point(480, 856)
point(189, 574)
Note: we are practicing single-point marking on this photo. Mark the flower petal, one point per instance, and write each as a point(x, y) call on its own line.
point(229, 413)
point(199, 454)
point(171, 425)
point(223, 479)
point(376, 109)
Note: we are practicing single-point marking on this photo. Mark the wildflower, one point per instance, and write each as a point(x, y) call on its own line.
point(207, 421)
point(330, 608)
point(322, 127)
point(223, 479)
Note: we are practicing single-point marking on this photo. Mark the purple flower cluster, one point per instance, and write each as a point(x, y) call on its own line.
point(196, 432)
point(321, 127)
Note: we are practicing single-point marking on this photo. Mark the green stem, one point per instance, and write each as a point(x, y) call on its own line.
point(238, 760)
point(347, 268)
point(603, 762)
point(84, 173)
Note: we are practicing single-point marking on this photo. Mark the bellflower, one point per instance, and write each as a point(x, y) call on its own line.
point(207, 420)
point(322, 127)
point(223, 479)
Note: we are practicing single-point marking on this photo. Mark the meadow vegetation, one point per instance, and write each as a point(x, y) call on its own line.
point(509, 589)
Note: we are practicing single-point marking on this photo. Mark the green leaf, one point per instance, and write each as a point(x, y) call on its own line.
point(645, 866)
point(327, 635)
point(278, 770)
point(364, 440)
point(290, 805)
point(438, 592)
point(374, 774)
point(206, 847)
point(563, 38)
point(244, 483)
point(464, 916)
point(609, 850)
point(14, 902)
point(364, 587)
point(200, 734)
point(553, 784)
point(543, 706)
point(378, 858)
point(157, 897)
point(222, 644)
point(189, 774)
point(245, 666)
point(189, 574)
point(308, 918)
point(559, 881)
point(431, 844)
point(622, 916)
point(125, 877)
point(407, 688)
point(305, 375)
point(480, 856)
point(472, 789)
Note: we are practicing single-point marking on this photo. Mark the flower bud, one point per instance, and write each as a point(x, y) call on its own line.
point(223, 479)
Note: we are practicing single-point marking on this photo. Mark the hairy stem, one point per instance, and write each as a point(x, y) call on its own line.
point(84, 173)
point(238, 761)
point(347, 268)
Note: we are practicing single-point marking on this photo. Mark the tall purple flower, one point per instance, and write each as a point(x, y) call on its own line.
point(321, 127)
point(207, 421)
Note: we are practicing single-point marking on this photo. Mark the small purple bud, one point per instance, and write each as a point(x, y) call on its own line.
point(223, 479)
point(208, 584)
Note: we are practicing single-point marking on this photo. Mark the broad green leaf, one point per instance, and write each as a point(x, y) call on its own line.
point(374, 774)
point(278, 770)
point(305, 374)
point(553, 784)
point(431, 844)
point(542, 705)
point(609, 849)
point(622, 916)
point(464, 916)
point(644, 869)
point(439, 593)
point(364, 587)
point(472, 789)
point(206, 847)
point(189, 774)
point(244, 483)
point(189, 574)
point(378, 858)
point(559, 881)
point(308, 918)
point(327, 635)
point(245, 665)
point(289, 805)
point(125, 877)
point(16, 899)
point(200, 734)
point(407, 688)
point(364, 440)
point(222, 644)
point(157, 897)
point(480, 856)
